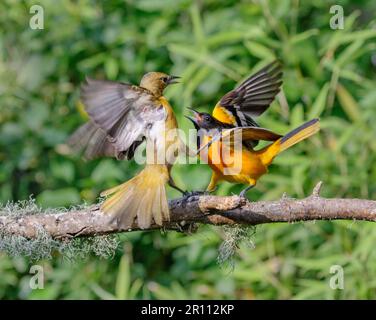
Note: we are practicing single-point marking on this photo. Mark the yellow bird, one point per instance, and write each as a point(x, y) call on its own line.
point(122, 116)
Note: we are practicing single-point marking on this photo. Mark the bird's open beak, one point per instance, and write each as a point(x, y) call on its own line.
point(173, 79)
point(191, 119)
point(197, 116)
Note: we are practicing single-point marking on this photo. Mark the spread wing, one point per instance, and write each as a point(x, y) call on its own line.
point(95, 143)
point(251, 98)
point(121, 117)
point(92, 140)
point(244, 133)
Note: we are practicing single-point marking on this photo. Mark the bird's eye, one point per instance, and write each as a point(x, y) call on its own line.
point(164, 79)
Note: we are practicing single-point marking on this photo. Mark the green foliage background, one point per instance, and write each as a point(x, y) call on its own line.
point(212, 45)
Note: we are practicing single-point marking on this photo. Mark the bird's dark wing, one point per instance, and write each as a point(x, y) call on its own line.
point(244, 134)
point(122, 114)
point(251, 98)
point(252, 133)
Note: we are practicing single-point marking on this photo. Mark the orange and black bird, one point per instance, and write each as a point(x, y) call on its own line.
point(122, 116)
point(232, 117)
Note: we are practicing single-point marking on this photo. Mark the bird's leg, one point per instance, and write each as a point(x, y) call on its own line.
point(210, 189)
point(188, 151)
point(213, 182)
point(244, 191)
point(172, 184)
point(186, 194)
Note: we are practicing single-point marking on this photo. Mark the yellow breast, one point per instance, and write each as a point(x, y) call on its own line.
point(171, 122)
point(169, 141)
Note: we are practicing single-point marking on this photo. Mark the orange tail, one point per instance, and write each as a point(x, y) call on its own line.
point(298, 134)
point(143, 197)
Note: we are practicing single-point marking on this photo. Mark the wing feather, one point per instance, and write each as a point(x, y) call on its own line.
point(121, 115)
point(252, 97)
point(92, 141)
point(244, 133)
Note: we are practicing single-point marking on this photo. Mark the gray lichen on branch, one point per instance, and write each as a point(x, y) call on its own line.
point(42, 245)
point(23, 222)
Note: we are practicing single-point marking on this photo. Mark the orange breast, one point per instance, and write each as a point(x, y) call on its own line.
point(241, 166)
point(235, 166)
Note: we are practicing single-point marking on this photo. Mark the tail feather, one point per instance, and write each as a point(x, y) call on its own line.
point(143, 197)
point(156, 207)
point(298, 134)
point(110, 191)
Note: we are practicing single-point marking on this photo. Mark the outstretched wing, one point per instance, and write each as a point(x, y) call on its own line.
point(251, 98)
point(122, 115)
point(95, 143)
point(92, 140)
point(244, 134)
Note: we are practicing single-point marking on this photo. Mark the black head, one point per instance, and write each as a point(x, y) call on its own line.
point(202, 120)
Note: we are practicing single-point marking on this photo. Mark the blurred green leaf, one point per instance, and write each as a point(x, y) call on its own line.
point(320, 103)
point(123, 280)
point(58, 198)
point(348, 103)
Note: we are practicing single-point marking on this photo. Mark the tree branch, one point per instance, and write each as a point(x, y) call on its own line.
point(205, 209)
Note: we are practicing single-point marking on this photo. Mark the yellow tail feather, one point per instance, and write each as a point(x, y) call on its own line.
point(303, 132)
point(143, 197)
point(298, 134)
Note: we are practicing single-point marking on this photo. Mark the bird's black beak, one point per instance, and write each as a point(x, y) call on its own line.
point(173, 79)
point(196, 113)
point(196, 118)
point(191, 119)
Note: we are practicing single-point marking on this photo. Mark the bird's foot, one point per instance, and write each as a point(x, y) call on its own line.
point(242, 195)
point(244, 192)
point(188, 194)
